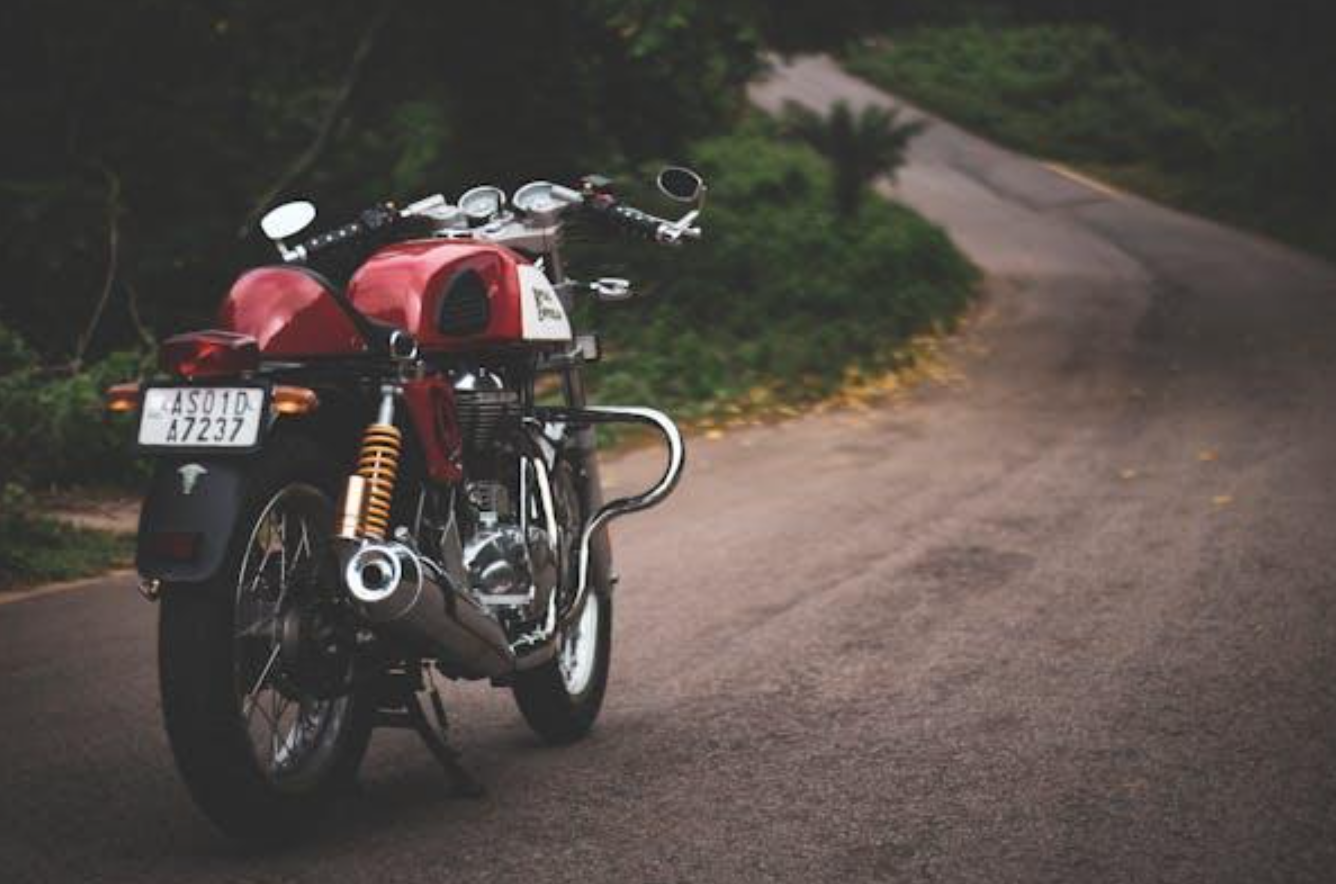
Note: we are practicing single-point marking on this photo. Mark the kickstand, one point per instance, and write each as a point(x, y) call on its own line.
point(464, 783)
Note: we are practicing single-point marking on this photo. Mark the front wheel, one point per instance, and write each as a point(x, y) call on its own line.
point(561, 699)
point(254, 668)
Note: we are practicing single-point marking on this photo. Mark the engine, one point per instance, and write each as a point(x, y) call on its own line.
point(510, 536)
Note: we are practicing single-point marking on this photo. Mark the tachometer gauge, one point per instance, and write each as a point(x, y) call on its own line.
point(542, 200)
point(482, 203)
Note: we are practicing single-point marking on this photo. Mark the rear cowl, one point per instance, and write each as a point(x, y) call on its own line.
point(291, 314)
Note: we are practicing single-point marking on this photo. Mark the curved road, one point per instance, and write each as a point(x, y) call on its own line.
point(1071, 617)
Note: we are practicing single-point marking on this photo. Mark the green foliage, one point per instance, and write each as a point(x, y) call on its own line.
point(190, 112)
point(38, 550)
point(784, 295)
point(859, 146)
point(1184, 125)
point(55, 430)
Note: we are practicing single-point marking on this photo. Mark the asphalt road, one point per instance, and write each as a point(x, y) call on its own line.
point(1070, 617)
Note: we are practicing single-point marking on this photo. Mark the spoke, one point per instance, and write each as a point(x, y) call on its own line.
point(303, 543)
point(253, 705)
point(282, 554)
point(264, 674)
point(260, 568)
point(257, 628)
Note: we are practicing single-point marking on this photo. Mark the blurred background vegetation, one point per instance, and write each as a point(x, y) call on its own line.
point(1221, 107)
point(143, 138)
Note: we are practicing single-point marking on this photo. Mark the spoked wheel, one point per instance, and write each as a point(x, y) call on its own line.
point(561, 699)
point(289, 659)
point(256, 668)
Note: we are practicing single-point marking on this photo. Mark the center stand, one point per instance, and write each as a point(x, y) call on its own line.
point(403, 699)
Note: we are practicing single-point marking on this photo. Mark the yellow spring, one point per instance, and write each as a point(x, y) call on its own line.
point(379, 466)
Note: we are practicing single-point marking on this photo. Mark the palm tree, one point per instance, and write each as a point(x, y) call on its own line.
point(859, 146)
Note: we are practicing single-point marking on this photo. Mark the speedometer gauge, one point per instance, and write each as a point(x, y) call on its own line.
point(482, 203)
point(535, 197)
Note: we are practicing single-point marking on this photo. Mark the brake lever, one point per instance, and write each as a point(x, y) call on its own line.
point(673, 232)
point(611, 288)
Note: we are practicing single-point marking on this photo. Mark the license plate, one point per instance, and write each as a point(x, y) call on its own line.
point(201, 417)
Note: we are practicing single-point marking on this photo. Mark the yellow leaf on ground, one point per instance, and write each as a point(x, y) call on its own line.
point(1206, 455)
point(714, 434)
point(1222, 499)
point(1128, 474)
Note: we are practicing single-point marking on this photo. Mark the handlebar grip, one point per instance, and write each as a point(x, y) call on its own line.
point(377, 219)
point(334, 237)
point(627, 218)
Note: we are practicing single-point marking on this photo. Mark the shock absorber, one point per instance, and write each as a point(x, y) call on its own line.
point(370, 492)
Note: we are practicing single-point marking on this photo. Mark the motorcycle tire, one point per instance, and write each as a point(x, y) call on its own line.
point(558, 704)
point(205, 660)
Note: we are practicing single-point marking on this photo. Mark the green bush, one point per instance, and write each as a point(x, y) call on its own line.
point(55, 431)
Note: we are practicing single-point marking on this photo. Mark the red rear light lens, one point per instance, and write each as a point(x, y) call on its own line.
point(174, 546)
point(209, 354)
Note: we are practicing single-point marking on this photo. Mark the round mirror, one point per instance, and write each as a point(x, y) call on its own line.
point(681, 184)
point(283, 221)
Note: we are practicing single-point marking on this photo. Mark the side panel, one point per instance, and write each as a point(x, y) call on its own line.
point(290, 313)
point(431, 405)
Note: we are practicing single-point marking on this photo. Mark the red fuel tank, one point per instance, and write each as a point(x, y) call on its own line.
point(449, 295)
point(453, 295)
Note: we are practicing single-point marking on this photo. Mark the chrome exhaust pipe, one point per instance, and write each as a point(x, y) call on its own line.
point(408, 596)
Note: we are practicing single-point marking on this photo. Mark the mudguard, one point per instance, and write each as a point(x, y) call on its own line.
point(188, 517)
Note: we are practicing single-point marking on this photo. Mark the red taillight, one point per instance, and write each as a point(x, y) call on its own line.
point(174, 546)
point(209, 354)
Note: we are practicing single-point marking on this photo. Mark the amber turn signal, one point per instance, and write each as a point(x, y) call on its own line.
point(293, 400)
point(122, 398)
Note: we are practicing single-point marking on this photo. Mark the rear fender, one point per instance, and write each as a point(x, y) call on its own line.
point(189, 516)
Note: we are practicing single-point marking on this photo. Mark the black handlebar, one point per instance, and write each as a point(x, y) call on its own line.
point(384, 217)
point(338, 235)
point(373, 220)
point(625, 217)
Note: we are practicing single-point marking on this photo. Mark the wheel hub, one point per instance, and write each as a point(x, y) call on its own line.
point(316, 649)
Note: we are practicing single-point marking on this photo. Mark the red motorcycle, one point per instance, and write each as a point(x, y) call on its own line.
point(363, 486)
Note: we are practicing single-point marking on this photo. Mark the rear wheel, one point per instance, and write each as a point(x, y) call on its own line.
point(255, 664)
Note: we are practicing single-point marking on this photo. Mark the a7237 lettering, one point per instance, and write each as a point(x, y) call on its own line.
point(195, 417)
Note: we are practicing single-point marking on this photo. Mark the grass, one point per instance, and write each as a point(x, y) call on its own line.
point(1182, 128)
point(41, 550)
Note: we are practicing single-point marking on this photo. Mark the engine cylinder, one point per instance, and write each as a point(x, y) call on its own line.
point(485, 408)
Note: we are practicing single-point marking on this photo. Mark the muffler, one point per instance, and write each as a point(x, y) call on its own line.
point(407, 596)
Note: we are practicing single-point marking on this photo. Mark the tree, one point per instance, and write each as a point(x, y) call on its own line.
point(860, 146)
